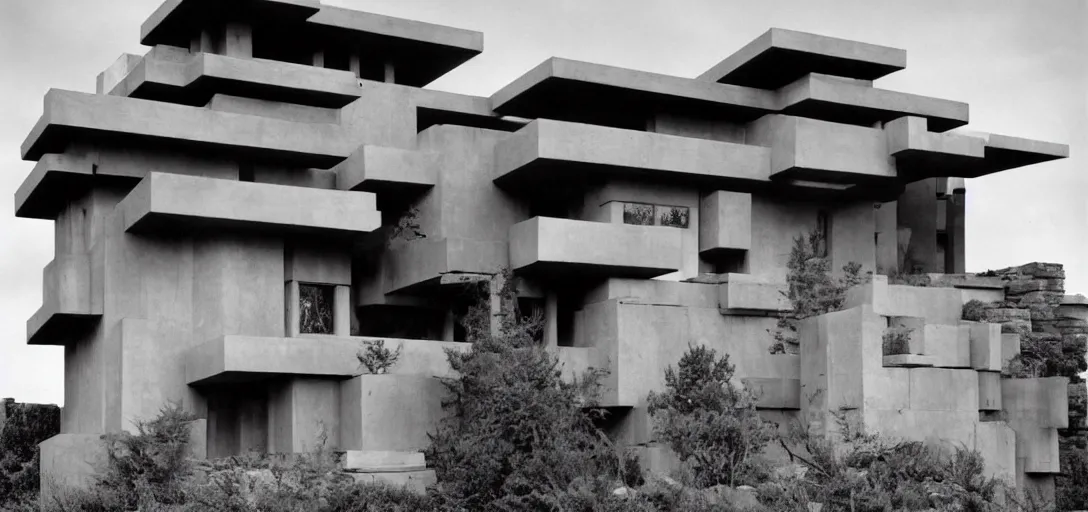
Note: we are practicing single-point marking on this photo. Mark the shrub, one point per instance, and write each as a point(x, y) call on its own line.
point(812, 289)
point(148, 466)
point(710, 423)
point(1072, 484)
point(974, 310)
point(27, 425)
point(897, 340)
point(376, 358)
point(909, 279)
point(516, 436)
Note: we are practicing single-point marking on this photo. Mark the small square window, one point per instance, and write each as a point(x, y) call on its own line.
point(673, 216)
point(638, 214)
point(315, 308)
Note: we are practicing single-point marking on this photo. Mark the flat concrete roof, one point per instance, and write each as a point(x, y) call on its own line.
point(780, 56)
point(569, 90)
point(175, 22)
point(420, 52)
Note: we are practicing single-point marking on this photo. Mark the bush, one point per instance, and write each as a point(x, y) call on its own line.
point(1072, 484)
point(376, 358)
point(897, 341)
point(27, 425)
point(974, 310)
point(517, 436)
point(812, 289)
point(710, 423)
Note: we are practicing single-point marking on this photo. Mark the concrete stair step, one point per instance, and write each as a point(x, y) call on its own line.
point(360, 461)
point(416, 481)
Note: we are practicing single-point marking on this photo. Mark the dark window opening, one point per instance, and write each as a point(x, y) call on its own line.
point(245, 172)
point(641, 214)
point(565, 322)
point(728, 261)
point(404, 322)
point(673, 216)
point(315, 308)
point(823, 227)
point(531, 309)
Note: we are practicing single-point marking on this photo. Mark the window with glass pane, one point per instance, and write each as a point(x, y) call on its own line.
point(315, 307)
point(638, 214)
point(674, 216)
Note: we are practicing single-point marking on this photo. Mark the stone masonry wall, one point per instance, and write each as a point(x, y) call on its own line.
point(1053, 331)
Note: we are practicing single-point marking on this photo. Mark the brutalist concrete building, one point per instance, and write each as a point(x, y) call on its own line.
point(230, 213)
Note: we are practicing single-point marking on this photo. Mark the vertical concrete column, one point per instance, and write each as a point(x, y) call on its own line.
point(917, 212)
point(551, 320)
point(319, 59)
point(202, 42)
point(355, 65)
point(342, 311)
point(497, 310)
point(448, 325)
point(390, 73)
point(955, 253)
point(238, 40)
point(291, 298)
point(887, 237)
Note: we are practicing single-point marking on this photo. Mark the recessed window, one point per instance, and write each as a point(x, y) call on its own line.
point(315, 308)
point(641, 214)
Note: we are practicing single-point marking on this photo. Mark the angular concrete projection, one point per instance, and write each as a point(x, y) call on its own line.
point(921, 153)
point(745, 293)
point(546, 150)
point(779, 57)
point(73, 116)
point(569, 90)
point(175, 21)
point(192, 79)
point(173, 201)
point(833, 99)
point(818, 150)
point(423, 264)
point(725, 222)
point(51, 185)
point(378, 169)
point(71, 301)
point(544, 244)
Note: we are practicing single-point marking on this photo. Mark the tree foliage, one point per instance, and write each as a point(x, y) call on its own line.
point(26, 427)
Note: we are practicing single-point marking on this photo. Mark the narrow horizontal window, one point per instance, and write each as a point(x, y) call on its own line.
point(638, 214)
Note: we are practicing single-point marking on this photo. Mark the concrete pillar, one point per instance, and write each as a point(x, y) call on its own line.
point(497, 309)
point(917, 212)
point(202, 42)
point(955, 253)
point(390, 75)
point(302, 413)
point(448, 325)
point(238, 41)
point(291, 298)
point(341, 316)
point(551, 320)
point(319, 59)
point(887, 238)
point(355, 66)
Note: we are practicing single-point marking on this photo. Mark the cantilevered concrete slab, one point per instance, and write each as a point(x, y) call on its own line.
point(779, 57)
point(547, 151)
point(193, 79)
point(378, 169)
point(71, 116)
point(571, 90)
point(175, 202)
point(808, 149)
point(54, 181)
point(842, 101)
point(597, 248)
point(176, 22)
point(72, 300)
point(419, 52)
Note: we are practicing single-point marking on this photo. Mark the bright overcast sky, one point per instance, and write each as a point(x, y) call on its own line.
point(1021, 65)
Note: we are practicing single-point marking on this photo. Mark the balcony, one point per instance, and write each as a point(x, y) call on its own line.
point(808, 149)
point(378, 169)
point(173, 201)
point(73, 116)
point(564, 247)
point(54, 181)
point(546, 151)
point(71, 301)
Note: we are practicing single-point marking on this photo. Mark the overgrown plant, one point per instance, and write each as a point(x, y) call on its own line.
point(708, 421)
point(974, 310)
point(406, 228)
point(897, 341)
point(517, 435)
point(812, 288)
point(27, 425)
point(376, 358)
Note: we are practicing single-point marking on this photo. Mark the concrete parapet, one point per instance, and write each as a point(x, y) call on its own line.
point(358, 461)
point(598, 247)
point(389, 412)
point(744, 292)
point(774, 393)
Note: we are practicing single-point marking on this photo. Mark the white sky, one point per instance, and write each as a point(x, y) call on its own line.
point(1021, 65)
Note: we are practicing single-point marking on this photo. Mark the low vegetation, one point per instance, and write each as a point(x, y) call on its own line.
point(896, 341)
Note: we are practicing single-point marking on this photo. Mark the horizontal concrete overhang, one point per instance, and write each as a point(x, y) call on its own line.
point(920, 153)
point(55, 180)
point(420, 52)
point(173, 202)
point(174, 75)
point(834, 99)
point(249, 358)
point(808, 149)
point(555, 151)
point(72, 297)
point(747, 294)
point(553, 247)
point(570, 90)
point(381, 169)
point(430, 265)
point(779, 57)
point(175, 22)
point(70, 116)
